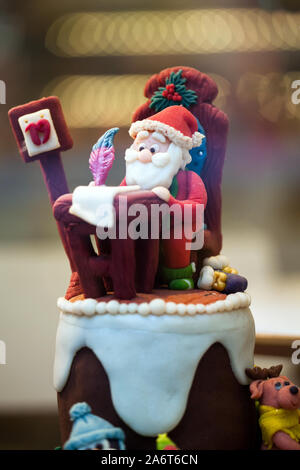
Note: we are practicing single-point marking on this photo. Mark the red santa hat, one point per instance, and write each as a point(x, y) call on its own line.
point(175, 122)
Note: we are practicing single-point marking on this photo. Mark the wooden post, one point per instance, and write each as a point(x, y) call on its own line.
point(41, 133)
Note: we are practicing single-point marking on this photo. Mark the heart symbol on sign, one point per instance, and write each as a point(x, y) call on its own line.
point(37, 128)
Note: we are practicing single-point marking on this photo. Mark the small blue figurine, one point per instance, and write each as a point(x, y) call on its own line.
point(90, 432)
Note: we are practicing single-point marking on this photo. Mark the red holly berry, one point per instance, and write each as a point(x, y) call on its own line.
point(170, 93)
point(177, 97)
point(170, 87)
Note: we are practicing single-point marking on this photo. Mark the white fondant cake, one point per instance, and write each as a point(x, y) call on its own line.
point(147, 357)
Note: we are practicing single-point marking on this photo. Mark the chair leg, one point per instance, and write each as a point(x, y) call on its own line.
point(83, 251)
point(147, 255)
point(122, 268)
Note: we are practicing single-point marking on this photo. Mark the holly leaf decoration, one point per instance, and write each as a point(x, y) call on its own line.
point(173, 93)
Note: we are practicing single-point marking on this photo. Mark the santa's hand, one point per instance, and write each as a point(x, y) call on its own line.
point(162, 193)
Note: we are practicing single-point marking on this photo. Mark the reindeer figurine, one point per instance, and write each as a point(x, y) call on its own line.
point(279, 403)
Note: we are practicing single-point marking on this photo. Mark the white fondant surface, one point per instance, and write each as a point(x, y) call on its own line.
point(94, 204)
point(151, 361)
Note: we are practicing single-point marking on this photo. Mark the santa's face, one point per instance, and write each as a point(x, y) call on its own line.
point(152, 160)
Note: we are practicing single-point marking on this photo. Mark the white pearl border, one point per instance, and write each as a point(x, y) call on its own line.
point(90, 307)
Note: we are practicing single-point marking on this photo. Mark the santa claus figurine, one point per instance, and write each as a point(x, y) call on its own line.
point(156, 161)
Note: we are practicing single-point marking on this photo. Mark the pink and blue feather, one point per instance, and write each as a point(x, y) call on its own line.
point(102, 156)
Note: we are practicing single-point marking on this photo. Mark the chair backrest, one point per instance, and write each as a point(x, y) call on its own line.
point(215, 125)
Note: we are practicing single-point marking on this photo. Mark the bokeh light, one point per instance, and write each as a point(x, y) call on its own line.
point(91, 101)
point(177, 32)
point(269, 94)
point(108, 100)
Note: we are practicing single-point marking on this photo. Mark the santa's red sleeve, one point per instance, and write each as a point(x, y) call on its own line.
point(191, 190)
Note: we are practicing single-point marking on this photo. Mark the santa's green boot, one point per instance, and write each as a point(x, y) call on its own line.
point(178, 278)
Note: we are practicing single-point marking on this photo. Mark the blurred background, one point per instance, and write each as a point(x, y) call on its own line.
point(96, 55)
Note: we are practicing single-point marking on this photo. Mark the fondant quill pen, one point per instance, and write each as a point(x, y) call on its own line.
point(102, 156)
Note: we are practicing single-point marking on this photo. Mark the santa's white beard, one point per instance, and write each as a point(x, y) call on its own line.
point(149, 175)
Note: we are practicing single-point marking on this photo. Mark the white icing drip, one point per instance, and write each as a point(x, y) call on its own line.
point(94, 204)
point(151, 360)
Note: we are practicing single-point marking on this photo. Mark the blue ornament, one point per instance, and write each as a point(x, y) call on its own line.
point(198, 154)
